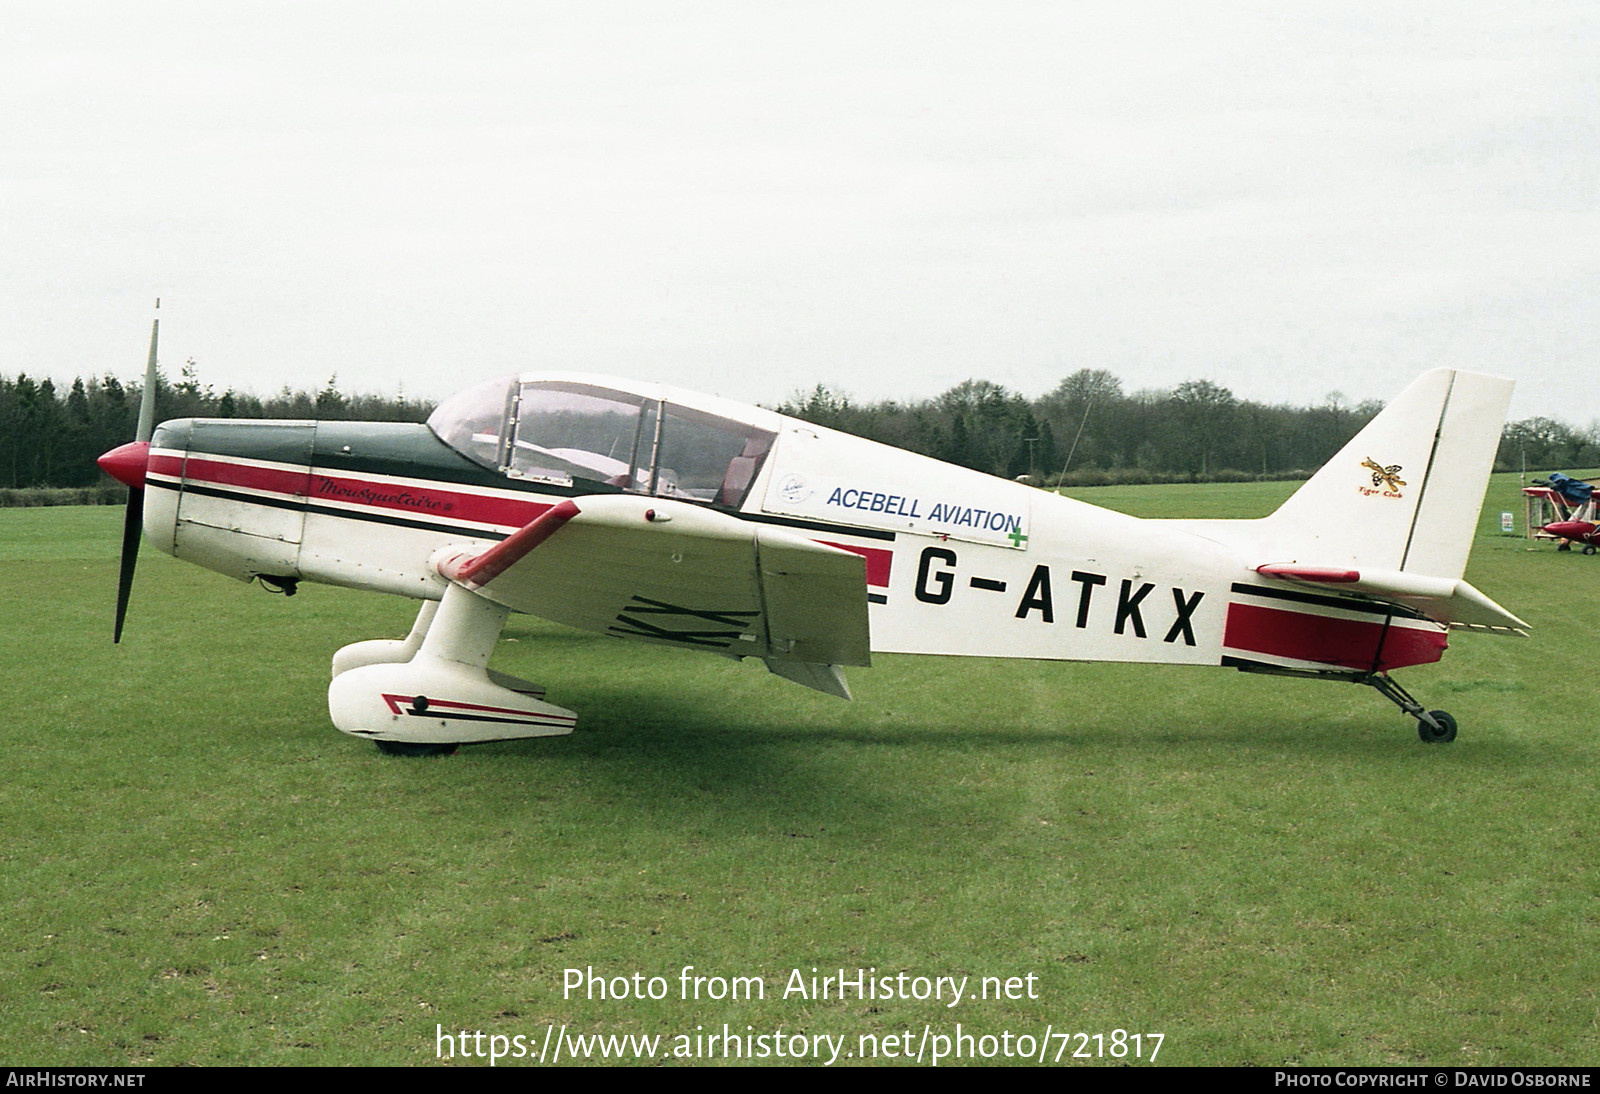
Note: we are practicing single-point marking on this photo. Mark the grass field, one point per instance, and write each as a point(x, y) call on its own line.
point(197, 868)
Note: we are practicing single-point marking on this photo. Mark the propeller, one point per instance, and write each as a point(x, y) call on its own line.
point(127, 465)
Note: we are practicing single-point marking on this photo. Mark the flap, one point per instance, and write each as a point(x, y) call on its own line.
point(679, 574)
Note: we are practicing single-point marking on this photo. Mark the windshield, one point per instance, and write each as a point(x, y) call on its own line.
point(471, 421)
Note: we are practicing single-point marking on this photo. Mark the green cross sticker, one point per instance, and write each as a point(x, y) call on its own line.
point(1016, 537)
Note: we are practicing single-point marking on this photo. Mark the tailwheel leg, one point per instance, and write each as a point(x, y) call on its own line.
point(1433, 726)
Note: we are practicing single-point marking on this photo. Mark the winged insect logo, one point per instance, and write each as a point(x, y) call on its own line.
point(1386, 477)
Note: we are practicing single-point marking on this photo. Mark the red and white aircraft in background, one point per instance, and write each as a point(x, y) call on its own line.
point(663, 516)
point(1577, 507)
point(1586, 532)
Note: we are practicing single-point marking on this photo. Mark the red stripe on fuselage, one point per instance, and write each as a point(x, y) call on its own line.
point(1366, 645)
point(878, 560)
point(426, 501)
point(505, 512)
point(410, 498)
point(162, 464)
point(224, 473)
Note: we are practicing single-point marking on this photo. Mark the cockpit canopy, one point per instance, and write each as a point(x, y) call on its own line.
point(595, 439)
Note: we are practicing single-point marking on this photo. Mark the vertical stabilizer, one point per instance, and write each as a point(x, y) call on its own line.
point(1405, 493)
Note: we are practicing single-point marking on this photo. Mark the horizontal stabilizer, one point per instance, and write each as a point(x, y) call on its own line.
point(1441, 599)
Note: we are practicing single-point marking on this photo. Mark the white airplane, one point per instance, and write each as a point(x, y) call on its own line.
point(663, 516)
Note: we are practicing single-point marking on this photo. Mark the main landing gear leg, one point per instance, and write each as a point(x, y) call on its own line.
point(391, 652)
point(1433, 726)
point(381, 651)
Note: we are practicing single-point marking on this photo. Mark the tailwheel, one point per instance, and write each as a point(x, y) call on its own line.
point(409, 748)
point(1433, 726)
point(1443, 732)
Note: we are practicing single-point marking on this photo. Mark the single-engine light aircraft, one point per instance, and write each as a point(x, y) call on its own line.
point(655, 514)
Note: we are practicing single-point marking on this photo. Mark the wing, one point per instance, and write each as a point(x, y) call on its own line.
point(679, 574)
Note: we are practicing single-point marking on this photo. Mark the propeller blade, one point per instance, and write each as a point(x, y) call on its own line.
point(127, 464)
point(132, 532)
point(147, 398)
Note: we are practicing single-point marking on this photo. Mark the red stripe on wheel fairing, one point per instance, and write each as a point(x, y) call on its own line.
point(447, 708)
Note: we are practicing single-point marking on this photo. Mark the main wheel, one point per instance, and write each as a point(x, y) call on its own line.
point(1588, 549)
point(408, 748)
point(1442, 735)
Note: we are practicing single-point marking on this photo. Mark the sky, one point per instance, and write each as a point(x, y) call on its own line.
point(751, 198)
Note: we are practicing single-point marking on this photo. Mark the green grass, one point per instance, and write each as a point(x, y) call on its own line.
point(198, 869)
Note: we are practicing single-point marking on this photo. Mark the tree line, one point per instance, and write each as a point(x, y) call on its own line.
point(51, 438)
point(1090, 431)
point(1086, 431)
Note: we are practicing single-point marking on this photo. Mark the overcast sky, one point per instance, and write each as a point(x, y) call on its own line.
point(749, 198)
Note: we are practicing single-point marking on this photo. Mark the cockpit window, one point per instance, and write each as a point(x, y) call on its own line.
point(707, 458)
point(598, 440)
point(570, 434)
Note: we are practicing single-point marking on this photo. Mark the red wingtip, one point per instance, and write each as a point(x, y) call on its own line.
point(478, 571)
point(126, 464)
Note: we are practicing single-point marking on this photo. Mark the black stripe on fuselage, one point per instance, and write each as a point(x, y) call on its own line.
point(1267, 668)
point(371, 516)
point(811, 525)
point(1349, 604)
point(379, 517)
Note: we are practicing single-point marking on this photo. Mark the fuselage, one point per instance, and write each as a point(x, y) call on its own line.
point(1578, 531)
point(956, 562)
